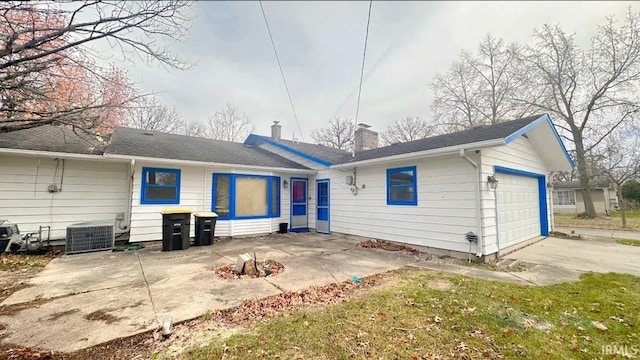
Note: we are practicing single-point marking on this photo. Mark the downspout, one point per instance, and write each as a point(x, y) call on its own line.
point(495, 208)
point(132, 170)
point(478, 202)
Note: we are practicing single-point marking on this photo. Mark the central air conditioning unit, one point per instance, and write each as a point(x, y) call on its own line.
point(89, 236)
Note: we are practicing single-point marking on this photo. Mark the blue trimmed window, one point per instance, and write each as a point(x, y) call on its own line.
point(160, 186)
point(402, 186)
point(236, 196)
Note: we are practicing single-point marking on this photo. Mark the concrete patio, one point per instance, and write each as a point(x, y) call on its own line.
point(82, 300)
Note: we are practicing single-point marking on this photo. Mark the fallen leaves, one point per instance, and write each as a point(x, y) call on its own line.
point(266, 268)
point(28, 354)
point(385, 245)
point(258, 309)
point(599, 325)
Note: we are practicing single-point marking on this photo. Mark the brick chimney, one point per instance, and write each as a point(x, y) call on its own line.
point(276, 130)
point(364, 138)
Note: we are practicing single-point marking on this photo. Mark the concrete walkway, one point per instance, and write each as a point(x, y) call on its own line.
point(620, 234)
point(82, 300)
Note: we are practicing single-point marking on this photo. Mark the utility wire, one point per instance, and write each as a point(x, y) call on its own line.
point(364, 55)
point(295, 115)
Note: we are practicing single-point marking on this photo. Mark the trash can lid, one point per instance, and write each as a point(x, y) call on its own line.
point(176, 210)
point(205, 214)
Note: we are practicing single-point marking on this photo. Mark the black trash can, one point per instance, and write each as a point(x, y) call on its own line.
point(205, 228)
point(284, 228)
point(3, 245)
point(175, 229)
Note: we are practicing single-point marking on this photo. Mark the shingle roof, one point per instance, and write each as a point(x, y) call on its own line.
point(575, 184)
point(136, 142)
point(475, 135)
point(52, 138)
point(325, 153)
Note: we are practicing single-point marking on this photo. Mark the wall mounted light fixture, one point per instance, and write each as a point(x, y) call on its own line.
point(285, 184)
point(493, 182)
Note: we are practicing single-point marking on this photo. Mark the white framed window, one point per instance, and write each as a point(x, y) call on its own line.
point(564, 197)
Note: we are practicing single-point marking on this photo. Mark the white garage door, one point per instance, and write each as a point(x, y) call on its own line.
point(518, 209)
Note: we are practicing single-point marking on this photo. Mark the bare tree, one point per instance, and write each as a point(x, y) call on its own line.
point(619, 161)
point(480, 88)
point(593, 92)
point(191, 128)
point(149, 114)
point(229, 124)
point(44, 51)
point(338, 135)
point(406, 129)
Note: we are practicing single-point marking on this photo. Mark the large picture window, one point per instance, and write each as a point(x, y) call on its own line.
point(246, 196)
point(401, 186)
point(160, 186)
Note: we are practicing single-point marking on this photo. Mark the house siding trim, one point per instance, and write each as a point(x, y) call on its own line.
point(542, 193)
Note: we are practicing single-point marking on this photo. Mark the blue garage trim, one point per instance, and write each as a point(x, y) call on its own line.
point(286, 148)
point(542, 193)
point(545, 118)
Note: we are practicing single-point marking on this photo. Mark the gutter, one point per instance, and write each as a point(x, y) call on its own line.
point(478, 201)
point(422, 154)
point(213, 164)
point(52, 154)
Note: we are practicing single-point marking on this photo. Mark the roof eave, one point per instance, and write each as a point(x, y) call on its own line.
point(286, 148)
point(542, 119)
point(53, 154)
point(425, 153)
point(206, 163)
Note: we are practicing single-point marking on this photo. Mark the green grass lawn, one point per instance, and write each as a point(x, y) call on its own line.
point(613, 222)
point(426, 315)
point(628, 242)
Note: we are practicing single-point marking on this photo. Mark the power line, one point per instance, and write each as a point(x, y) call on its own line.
point(295, 115)
point(364, 55)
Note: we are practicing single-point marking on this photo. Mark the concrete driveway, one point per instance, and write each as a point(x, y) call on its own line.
point(82, 300)
point(593, 253)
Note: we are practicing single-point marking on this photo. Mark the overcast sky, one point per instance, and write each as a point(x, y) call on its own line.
point(320, 47)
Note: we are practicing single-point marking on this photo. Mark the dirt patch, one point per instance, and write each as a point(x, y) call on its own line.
point(10, 310)
point(561, 235)
point(101, 315)
point(265, 268)
point(385, 245)
point(60, 315)
point(439, 284)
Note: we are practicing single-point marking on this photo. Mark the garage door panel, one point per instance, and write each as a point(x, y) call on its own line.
point(518, 209)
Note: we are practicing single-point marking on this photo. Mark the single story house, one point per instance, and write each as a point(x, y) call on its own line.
point(567, 197)
point(488, 182)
